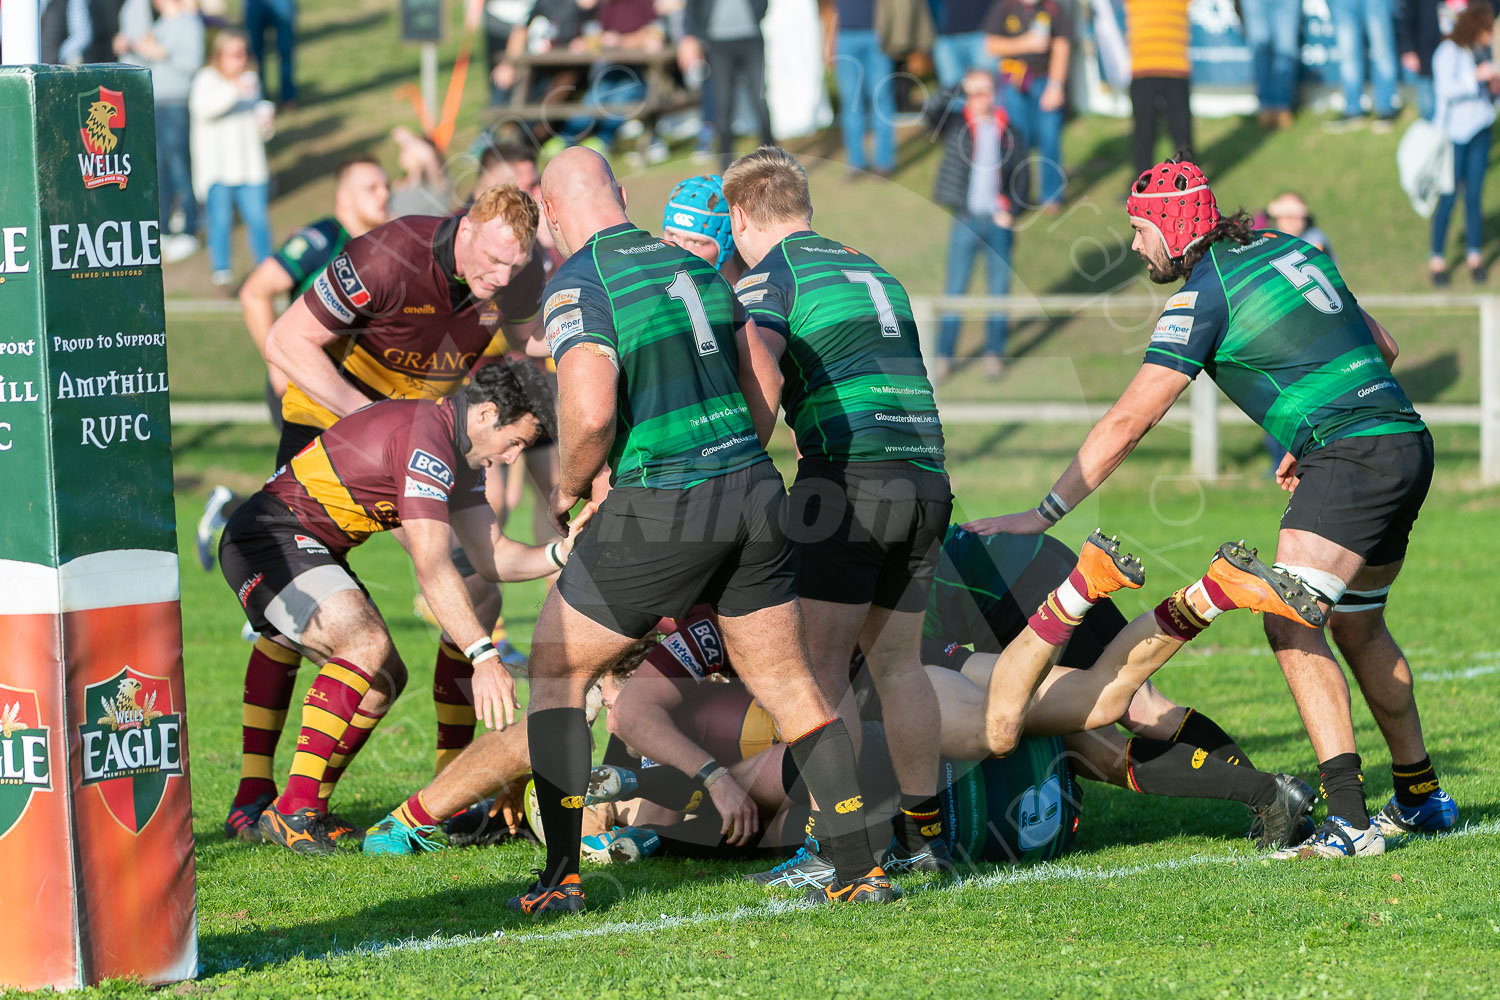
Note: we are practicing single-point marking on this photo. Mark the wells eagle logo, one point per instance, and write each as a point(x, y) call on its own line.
point(133, 747)
point(24, 755)
point(101, 118)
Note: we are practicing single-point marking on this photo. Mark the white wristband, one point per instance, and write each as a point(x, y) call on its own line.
point(491, 652)
point(554, 554)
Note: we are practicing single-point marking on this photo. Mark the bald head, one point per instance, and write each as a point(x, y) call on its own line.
point(580, 197)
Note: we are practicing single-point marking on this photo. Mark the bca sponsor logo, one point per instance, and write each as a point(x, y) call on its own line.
point(561, 297)
point(431, 466)
point(310, 544)
point(1183, 300)
point(707, 637)
point(101, 121)
point(25, 754)
point(349, 282)
point(1172, 330)
point(133, 746)
point(1039, 814)
point(323, 289)
point(423, 491)
point(678, 647)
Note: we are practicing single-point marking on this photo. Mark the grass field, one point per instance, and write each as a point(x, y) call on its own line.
point(1161, 897)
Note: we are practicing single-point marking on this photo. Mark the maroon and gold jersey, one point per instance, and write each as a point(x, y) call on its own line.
point(393, 461)
point(692, 648)
point(408, 328)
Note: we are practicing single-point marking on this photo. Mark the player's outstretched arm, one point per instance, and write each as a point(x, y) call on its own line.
point(494, 689)
point(258, 307)
point(760, 379)
point(1145, 401)
point(295, 344)
point(500, 559)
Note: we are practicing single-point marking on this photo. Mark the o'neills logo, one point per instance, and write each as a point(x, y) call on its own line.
point(101, 119)
point(133, 745)
point(25, 760)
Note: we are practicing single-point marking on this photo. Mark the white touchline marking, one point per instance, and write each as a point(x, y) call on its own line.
point(1041, 873)
point(1468, 673)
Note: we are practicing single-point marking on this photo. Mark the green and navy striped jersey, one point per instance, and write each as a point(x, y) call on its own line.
point(668, 322)
point(856, 389)
point(971, 586)
point(1273, 323)
point(309, 250)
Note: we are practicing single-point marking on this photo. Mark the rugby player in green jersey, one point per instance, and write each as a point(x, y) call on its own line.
point(663, 378)
point(1269, 317)
point(871, 499)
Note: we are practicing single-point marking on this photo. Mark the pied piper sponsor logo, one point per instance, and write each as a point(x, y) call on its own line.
point(1172, 330)
point(108, 246)
point(133, 746)
point(727, 443)
point(101, 120)
point(25, 754)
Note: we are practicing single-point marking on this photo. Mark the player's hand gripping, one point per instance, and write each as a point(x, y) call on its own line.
point(560, 508)
point(741, 816)
point(1286, 473)
point(1026, 522)
point(495, 694)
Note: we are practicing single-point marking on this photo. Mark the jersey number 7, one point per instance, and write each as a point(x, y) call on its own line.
point(1294, 267)
point(883, 311)
point(685, 290)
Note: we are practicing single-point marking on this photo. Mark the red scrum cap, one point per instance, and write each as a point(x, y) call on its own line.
point(1175, 199)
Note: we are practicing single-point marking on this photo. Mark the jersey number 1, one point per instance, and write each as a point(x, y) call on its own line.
point(887, 316)
point(685, 290)
point(1322, 296)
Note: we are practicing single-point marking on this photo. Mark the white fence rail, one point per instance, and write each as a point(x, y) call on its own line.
point(1202, 412)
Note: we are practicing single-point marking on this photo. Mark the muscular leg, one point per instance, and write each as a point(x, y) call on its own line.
point(833, 632)
point(492, 761)
point(1380, 668)
point(892, 641)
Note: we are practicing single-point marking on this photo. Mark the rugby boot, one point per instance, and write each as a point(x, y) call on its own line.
point(805, 869)
point(478, 825)
point(1106, 569)
point(1336, 839)
point(1250, 583)
point(301, 831)
point(565, 897)
point(1438, 814)
point(211, 526)
point(608, 783)
point(872, 887)
point(242, 822)
point(621, 846)
point(1280, 821)
point(342, 832)
point(933, 856)
point(391, 836)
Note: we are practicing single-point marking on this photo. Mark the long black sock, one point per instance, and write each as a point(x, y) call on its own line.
point(1176, 769)
point(560, 755)
point(1414, 782)
point(826, 759)
point(1344, 788)
point(919, 821)
point(667, 786)
point(1198, 730)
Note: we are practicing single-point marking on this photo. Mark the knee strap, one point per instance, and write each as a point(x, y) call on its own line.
point(1321, 582)
point(1362, 600)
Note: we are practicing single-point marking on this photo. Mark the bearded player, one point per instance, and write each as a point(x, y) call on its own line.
point(1269, 318)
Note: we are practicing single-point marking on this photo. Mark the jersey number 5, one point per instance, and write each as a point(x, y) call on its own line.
point(1322, 296)
point(883, 311)
point(685, 290)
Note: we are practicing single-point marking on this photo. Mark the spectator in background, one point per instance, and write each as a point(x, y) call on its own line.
point(622, 24)
point(66, 31)
point(1031, 38)
point(173, 51)
point(1464, 83)
point(424, 188)
point(548, 25)
point(960, 44)
point(725, 35)
point(1421, 26)
point(1355, 23)
point(229, 124)
point(1158, 33)
point(1273, 30)
point(983, 164)
point(281, 17)
point(867, 99)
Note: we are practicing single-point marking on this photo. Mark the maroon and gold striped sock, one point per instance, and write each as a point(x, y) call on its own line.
point(270, 677)
point(327, 710)
point(355, 737)
point(413, 812)
point(453, 698)
point(1052, 624)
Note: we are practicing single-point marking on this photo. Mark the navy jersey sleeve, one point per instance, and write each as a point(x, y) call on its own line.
point(767, 292)
point(309, 250)
point(1192, 325)
point(577, 310)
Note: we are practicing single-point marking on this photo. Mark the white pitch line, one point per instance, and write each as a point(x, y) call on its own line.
point(1468, 673)
point(1041, 873)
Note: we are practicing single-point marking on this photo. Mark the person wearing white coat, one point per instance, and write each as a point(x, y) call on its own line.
point(1463, 92)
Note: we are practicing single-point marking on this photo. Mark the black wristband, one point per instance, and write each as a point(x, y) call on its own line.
point(707, 769)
